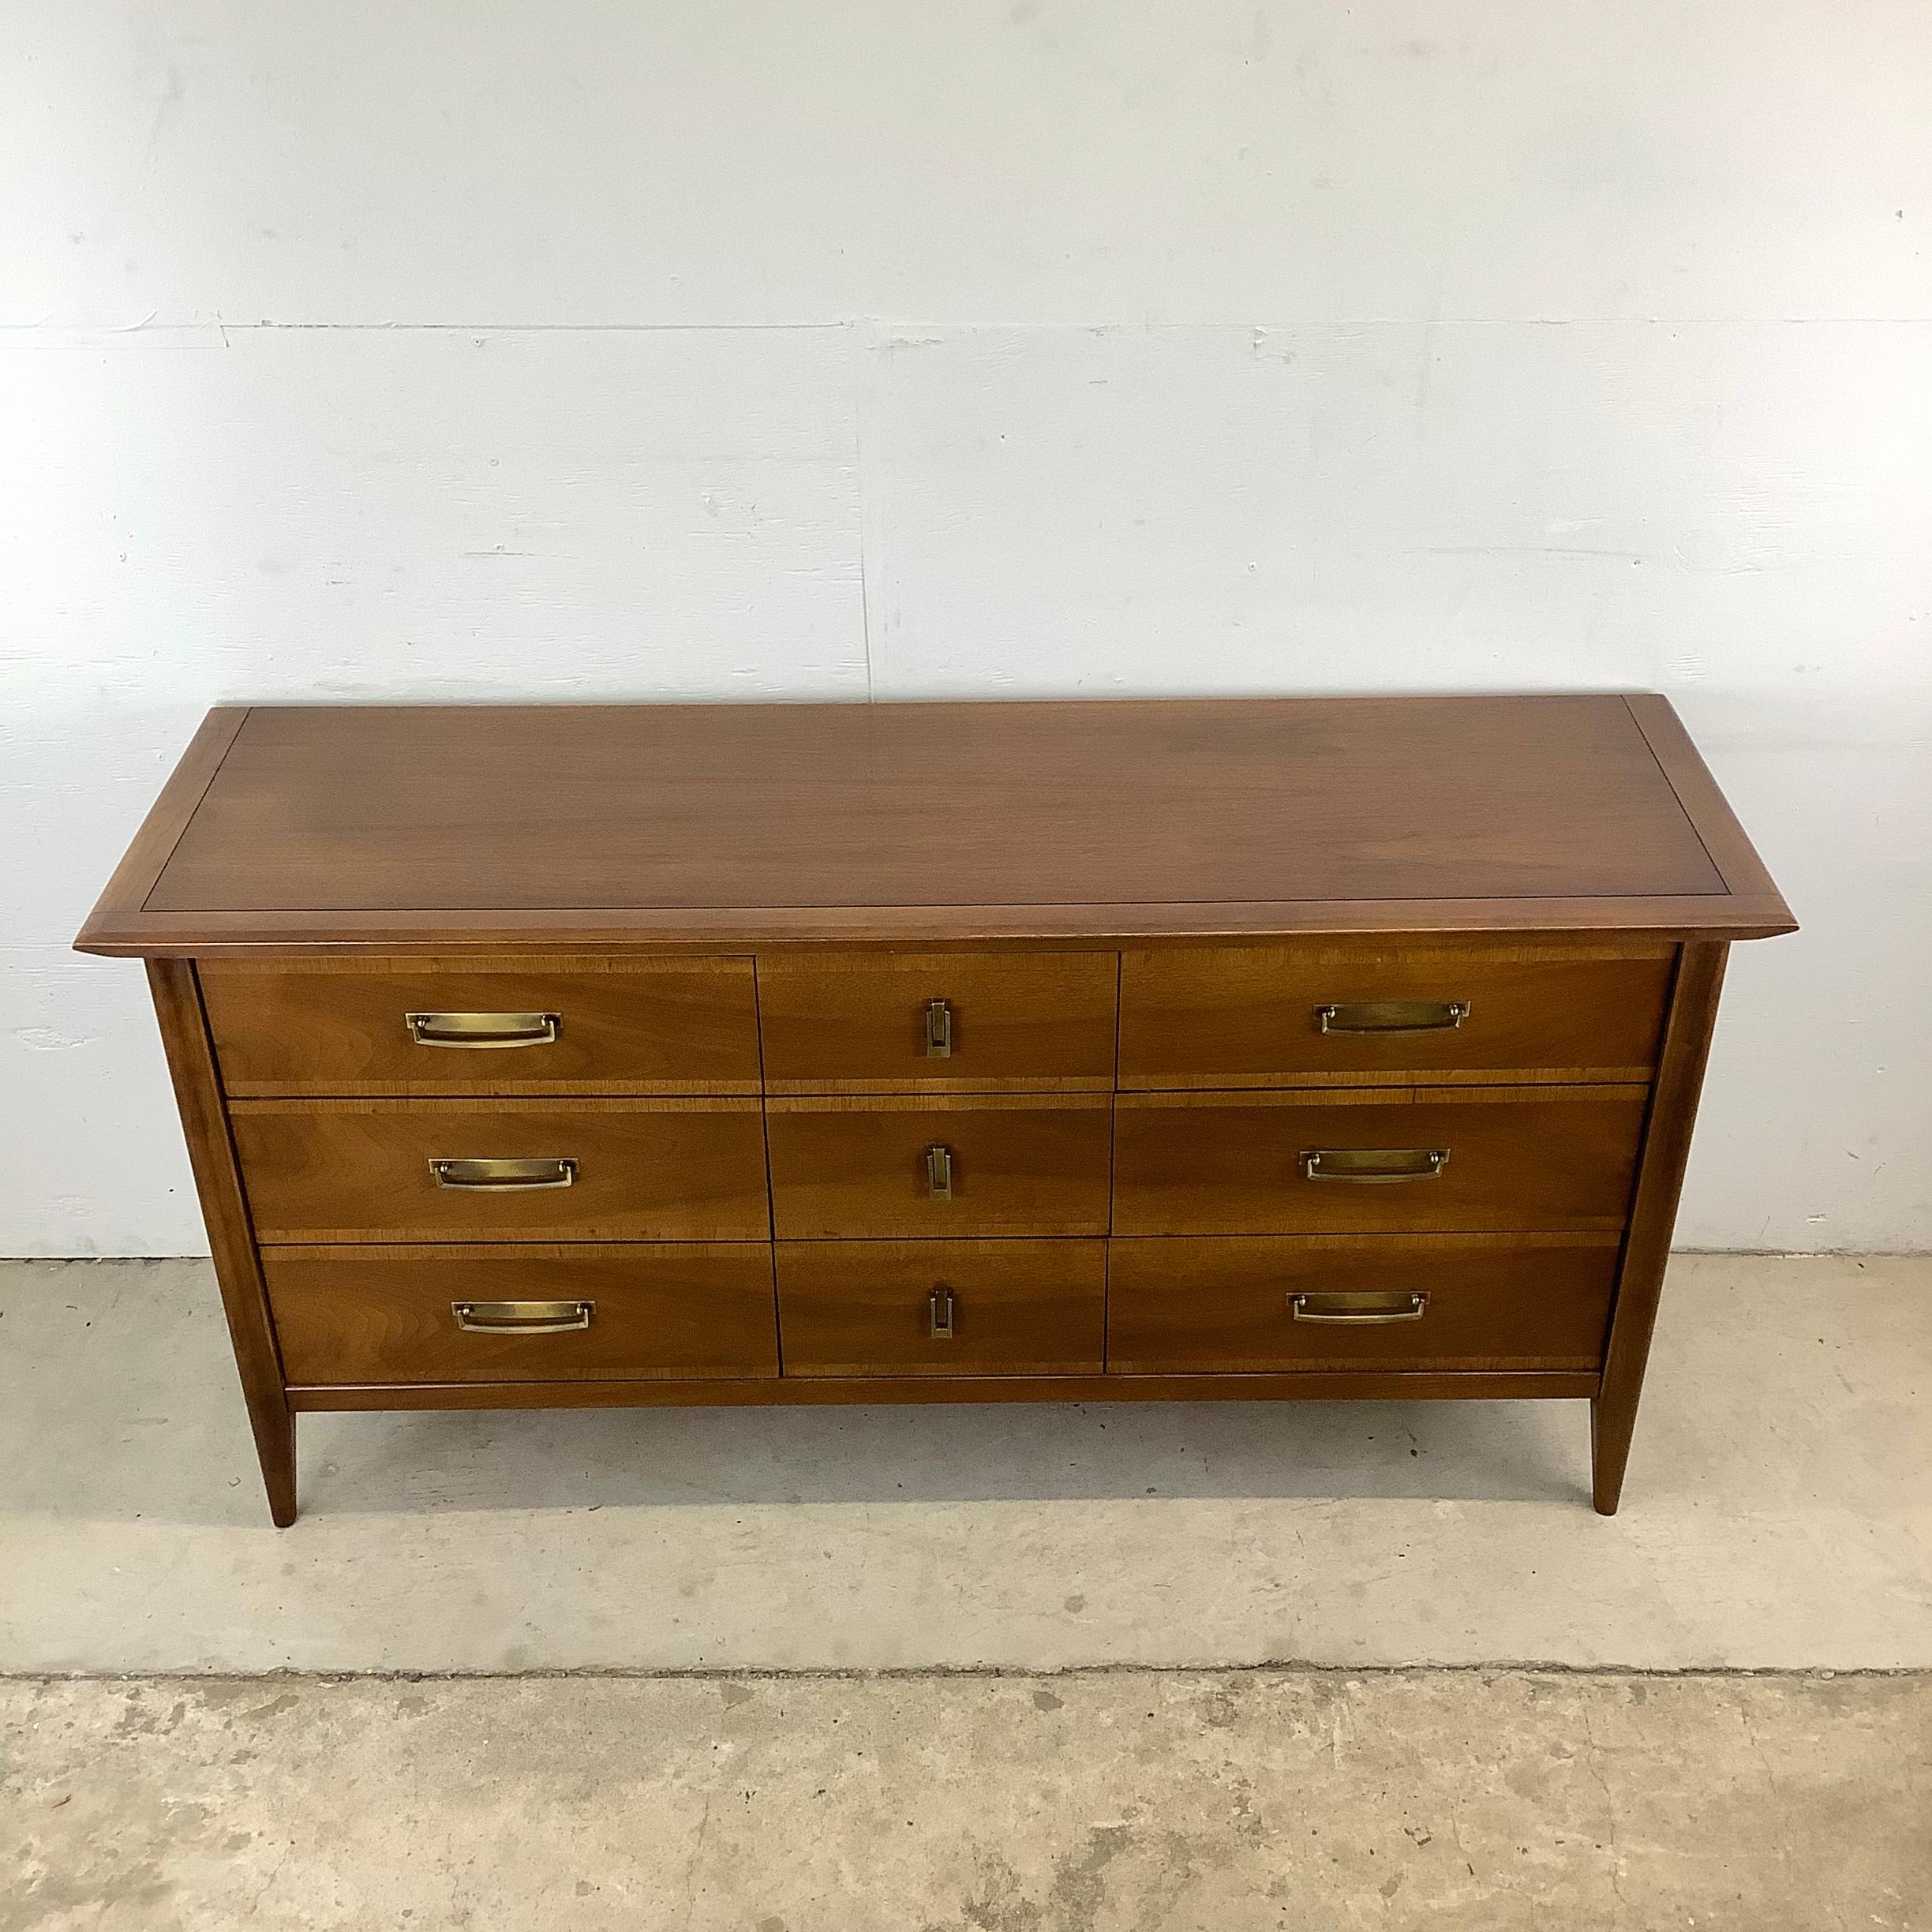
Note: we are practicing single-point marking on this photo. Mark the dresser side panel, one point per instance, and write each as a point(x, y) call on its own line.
point(1654, 1215)
point(231, 1239)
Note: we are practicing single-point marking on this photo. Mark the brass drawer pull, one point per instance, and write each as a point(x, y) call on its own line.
point(522, 1317)
point(478, 1031)
point(1364, 1309)
point(503, 1176)
point(941, 1308)
point(1370, 1165)
point(938, 1030)
point(939, 1173)
point(1392, 1016)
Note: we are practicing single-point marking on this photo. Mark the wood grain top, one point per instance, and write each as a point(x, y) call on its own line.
point(394, 828)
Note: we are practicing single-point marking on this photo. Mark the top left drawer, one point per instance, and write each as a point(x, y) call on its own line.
point(406, 1027)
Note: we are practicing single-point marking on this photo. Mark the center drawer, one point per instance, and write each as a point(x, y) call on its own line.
point(636, 1312)
point(377, 1170)
point(943, 1022)
point(1474, 1158)
point(942, 1308)
point(936, 1166)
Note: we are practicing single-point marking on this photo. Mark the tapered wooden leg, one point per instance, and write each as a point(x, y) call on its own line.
point(231, 1237)
point(1611, 1431)
point(275, 1443)
point(1653, 1213)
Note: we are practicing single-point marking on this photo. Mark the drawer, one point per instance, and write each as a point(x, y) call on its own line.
point(1436, 1301)
point(939, 1166)
point(1555, 1158)
point(1365, 1014)
point(942, 1308)
point(637, 1312)
point(359, 1170)
point(884, 1023)
point(399, 1027)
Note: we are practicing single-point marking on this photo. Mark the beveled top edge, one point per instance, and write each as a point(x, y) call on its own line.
point(1748, 907)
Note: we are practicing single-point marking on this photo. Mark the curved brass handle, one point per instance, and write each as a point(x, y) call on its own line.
point(521, 1317)
point(1391, 1016)
point(483, 1030)
point(939, 1173)
point(503, 1176)
point(940, 1306)
point(1364, 1309)
point(1369, 1165)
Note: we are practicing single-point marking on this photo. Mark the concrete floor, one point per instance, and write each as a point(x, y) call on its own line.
point(1778, 1513)
point(1179, 1801)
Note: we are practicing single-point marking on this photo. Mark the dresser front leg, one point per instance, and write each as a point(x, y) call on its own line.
point(1654, 1215)
point(274, 1445)
point(231, 1237)
point(1611, 1426)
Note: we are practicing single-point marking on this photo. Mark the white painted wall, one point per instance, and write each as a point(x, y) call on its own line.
point(720, 348)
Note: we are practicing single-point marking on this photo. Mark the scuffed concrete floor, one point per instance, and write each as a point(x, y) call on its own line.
point(1778, 1513)
point(1158, 1803)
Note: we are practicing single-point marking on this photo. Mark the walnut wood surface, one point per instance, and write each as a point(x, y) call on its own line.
point(409, 827)
point(741, 913)
point(1553, 1159)
point(231, 1240)
point(1245, 1016)
point(1746, 878)
point(625, 1026)
point(383, 1314)
point(116, 915)
point(1646, 1252)
point(854, 1022)
point(1307, 1385)
point(858, 1167)
point(863, 1307)
point(1221, 1305)
point(358, 1170)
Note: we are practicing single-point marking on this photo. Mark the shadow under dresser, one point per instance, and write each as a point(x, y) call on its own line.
point(541, 1056)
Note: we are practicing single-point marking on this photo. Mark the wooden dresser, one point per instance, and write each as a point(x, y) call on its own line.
point(544, 1056)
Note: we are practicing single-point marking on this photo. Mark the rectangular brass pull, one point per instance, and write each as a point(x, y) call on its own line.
point(1391, 1016)
point(941, 1308)
point(521, 1317)
point(939, 1173)
point(938, 1030)
point(503, 1176)
point(1373, 1164)
point(1364, 1308)
point(478, 1031)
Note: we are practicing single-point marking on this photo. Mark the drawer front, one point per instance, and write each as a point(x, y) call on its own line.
point(1438, 1301)
point(359, 1170)
point(942, 1308)
point(335, 1027)
point(1260, 1017)
point(640, 1312)
point(1009, 1166)
point(1552, 1159)
point(859, 1022)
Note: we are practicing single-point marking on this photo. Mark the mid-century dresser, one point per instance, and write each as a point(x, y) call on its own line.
point(544, 1056)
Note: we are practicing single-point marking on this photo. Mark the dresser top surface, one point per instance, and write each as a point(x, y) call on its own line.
point(419, 827)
